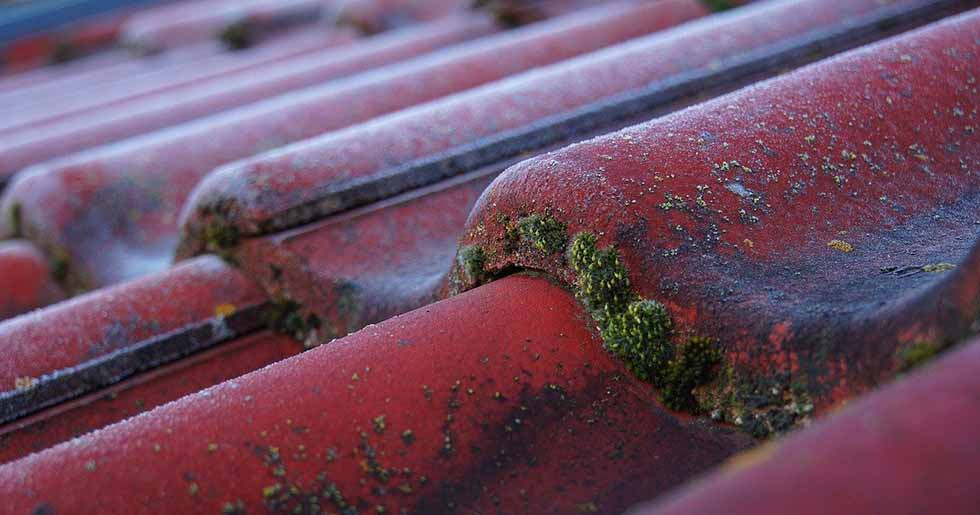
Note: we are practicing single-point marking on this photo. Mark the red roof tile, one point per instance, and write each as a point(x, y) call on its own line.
point(158, 79)
point(502, 388)
point(129, 174)
point(788, 221)
point(373, 16)
point(142, 393)
point(139, 115)
point(25, 279)
point(74, 346)
point(670, 294)
point(910, 448)
point(236, 22)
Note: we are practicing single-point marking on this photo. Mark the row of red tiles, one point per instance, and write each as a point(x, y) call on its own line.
point(377, 303)
point(128, 173)
point(957, 40)
point(240, 21)
point(92, 345)
point(492, 415)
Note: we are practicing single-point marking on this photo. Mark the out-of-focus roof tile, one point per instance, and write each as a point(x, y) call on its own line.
point(909, 448)
point(294, 184)
point(152, 320)
point(620, 315)
point(142, 393)
point(186, 102)
point(373, 16)
point(78, 39)
point(26, 281)
point(75, 204)
point(153, 80)
point(238, 23)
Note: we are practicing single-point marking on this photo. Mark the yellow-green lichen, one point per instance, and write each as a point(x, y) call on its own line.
point(938, 268)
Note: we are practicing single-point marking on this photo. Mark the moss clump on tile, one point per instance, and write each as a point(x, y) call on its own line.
point(220, 236)
point(761, 405)
point(285, 317)
point(603, 283)
point(718, 5)
point(915, 355)
point(16, 219)
point(58, 262)
point(639, 331)
point(694, 366)
point(544, 233)
point(472, 261)
point(641, 336)
point(238, 36)
point(65, 51)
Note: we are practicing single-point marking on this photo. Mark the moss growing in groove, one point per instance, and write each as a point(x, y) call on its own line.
point(238, 35)
point(718, 5)
point(64, 51)
point(16, 219)
point(545, 233)
point(917, 354)
point(58, 261)
point(220, 236)
point(602, 280)
point(694, 366)
point(641, 336)
point(472, 260)
point(285, 317)
point(637, 330)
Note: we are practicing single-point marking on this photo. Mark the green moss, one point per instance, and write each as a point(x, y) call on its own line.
point(603, 283)
point(762, 405)
point(16, 221)
point(219, 235)
point(545, 233)
point(285, 316)
point(694, 366)
point(718, 5)
point(472, 260)
point(640, 336)
point(238, 35)
point(639, 331)
point(507, 12)
point(64, 51)
point(938, 268)
point(58, 261)
point(917, 354)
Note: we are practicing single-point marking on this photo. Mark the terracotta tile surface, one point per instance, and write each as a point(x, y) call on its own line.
point(538, 256)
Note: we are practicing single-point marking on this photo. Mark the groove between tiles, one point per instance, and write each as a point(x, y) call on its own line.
point(107, 370)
